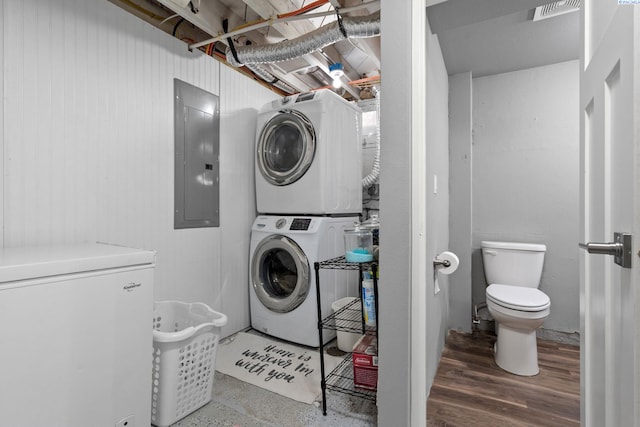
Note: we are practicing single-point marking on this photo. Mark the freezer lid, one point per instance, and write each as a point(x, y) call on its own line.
point(44, 261)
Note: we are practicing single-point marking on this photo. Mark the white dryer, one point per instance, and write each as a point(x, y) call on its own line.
point(308, 155)
point(282, 277)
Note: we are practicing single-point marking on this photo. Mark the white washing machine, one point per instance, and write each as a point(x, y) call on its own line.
point(282, 277)
point(308, 155)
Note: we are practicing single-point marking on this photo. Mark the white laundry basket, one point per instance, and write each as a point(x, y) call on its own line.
point(185, 340)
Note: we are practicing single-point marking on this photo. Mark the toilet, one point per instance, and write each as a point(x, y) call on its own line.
point(513, 271)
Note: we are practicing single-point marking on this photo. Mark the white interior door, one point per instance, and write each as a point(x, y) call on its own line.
point(610, 178)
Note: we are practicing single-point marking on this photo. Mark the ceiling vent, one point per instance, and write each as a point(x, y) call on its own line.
point(556, 8)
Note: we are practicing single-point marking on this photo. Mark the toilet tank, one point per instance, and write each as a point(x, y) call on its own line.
point(513, 263)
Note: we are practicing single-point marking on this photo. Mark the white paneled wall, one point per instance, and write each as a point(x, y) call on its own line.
point(88, 144)
point(237, 177)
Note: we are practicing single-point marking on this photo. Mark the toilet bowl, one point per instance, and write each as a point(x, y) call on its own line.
point(518, 312)
point(513, 272)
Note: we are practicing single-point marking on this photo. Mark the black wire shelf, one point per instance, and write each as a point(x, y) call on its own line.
point(348, 319)
point(339, 263)
point(341, 380)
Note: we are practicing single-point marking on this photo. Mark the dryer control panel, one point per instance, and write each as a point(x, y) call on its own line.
point(300, 224)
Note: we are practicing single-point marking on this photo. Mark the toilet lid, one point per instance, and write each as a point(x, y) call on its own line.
point(518, 297)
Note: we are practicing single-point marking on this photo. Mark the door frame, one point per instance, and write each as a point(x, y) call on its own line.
point(418, 338)
point(402, 382)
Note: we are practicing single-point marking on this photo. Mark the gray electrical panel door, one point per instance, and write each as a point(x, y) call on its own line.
point(197, 148)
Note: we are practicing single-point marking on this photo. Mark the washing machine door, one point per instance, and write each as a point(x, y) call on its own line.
point(286, 147)
point(280, 273)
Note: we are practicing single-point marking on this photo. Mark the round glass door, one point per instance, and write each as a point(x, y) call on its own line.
point(286, 147)
point(280, 274)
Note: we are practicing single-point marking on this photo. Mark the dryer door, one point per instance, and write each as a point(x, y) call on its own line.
point(280, 273)
point(286, 147)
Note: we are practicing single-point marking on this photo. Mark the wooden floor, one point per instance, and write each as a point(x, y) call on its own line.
point(470, 389)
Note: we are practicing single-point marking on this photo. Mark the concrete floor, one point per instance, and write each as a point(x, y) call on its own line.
point(239, 404)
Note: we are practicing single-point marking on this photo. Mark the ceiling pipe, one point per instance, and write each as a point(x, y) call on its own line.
point(343, 28)
point(270, 22)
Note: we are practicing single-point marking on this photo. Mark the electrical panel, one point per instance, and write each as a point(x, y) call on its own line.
point(197, 148)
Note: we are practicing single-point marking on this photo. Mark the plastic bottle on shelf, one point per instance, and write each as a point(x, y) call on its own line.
point(368, 299)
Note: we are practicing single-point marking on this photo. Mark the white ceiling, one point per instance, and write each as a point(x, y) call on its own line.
point(496, 36)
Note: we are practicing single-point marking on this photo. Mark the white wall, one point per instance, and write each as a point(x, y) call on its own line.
point(460, 214)
point(88, 145)
point(525, 176)
point(437, 195)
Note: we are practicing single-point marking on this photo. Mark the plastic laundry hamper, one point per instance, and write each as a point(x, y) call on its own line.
point(185, 340)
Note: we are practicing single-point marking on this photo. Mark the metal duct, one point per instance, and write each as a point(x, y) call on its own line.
point(373, 176)
point(270, 78)
point(347, 27)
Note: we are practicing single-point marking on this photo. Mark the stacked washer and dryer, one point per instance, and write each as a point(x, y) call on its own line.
point(308, 191)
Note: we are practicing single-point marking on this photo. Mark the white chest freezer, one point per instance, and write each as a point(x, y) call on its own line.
point(76, 336)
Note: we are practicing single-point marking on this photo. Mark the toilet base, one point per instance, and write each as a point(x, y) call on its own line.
point(516, 351)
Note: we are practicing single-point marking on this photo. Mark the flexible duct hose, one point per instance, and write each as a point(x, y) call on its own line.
point(258, 70)
point(372, 177)
point(347, 27)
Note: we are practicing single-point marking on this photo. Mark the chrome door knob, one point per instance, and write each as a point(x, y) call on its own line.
point(602, 248)
point(620, 249)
